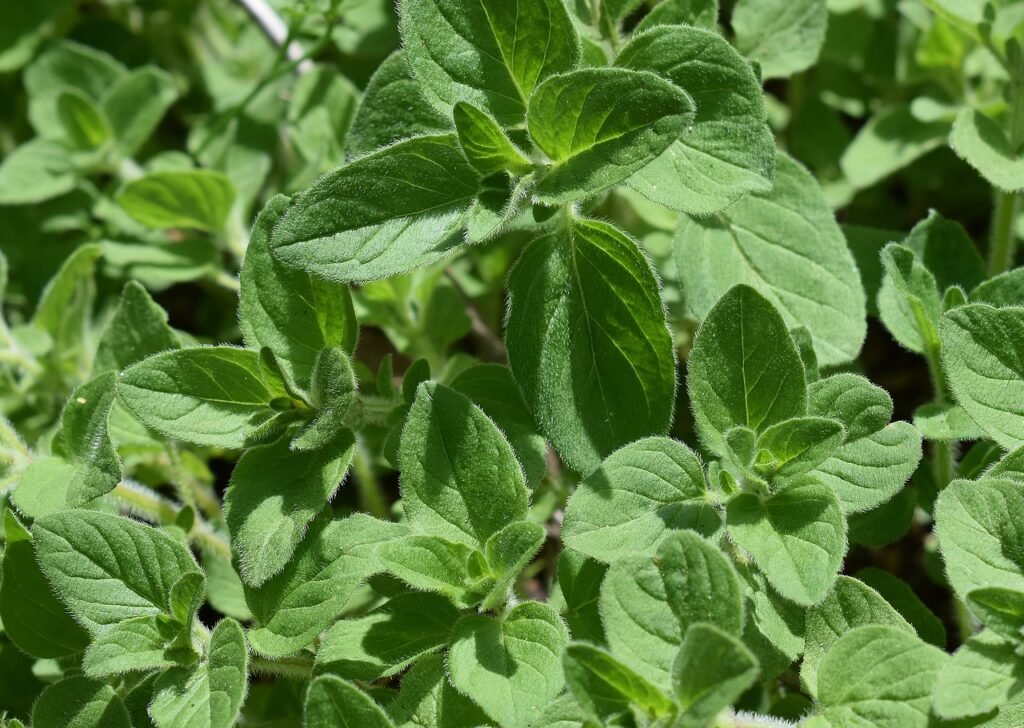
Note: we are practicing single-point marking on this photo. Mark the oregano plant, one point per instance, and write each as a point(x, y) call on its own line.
point(436, 364)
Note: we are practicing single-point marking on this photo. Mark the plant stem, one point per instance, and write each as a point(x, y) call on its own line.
point(1003, 249)
point(943, 456)
point(299, 667)
point(371, 496)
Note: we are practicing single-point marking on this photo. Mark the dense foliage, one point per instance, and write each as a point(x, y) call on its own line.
point(514, 363)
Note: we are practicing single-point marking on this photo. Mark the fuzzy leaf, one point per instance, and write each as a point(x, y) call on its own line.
point(138, 644)
point(712, 671)
point(982, 143)
point(981, 675)
point(782, 36)
point(605, 687)
point(427, 698)
point(137, 330)
point(335, 703)
point(87, 437)
point(485, 144)
point(78, 702)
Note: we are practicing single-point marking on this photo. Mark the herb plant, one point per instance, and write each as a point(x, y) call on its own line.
point(634, 363)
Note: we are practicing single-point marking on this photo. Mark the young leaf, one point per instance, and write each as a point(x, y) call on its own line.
point(138, 644)
point(87, 438)
point(108, 569)
point(32, 616)
point(598, 126)
point(490, 54)
point(210, 695)
point(775, 630)
point(485, 144)
point(982, 143)
point(138, 329)
point(1001, 610)
point(388, 639)
point(797, 537)
point(198, 198)
point(432, 563)
point(731, 386)
point(983, 361)
point(333, 392)
point(293, 313)
point(794, 446)
point(85, 126)
point(135, 104)
point(782, 36)
point(509, 665)
point(700, 13)
point(728, 150)
point(878, 675)
point(605, 687)
point(333, 702)
point(400, 208)
point(460, 478)
point(208, 395)
point(78, 702)
point(427, 698)
point(981, 675)
point(273, 495)
point(601, 372)
point(712, 671)
point(640, 493)
point(787, 245)
point(508, 552)
point(909, 300)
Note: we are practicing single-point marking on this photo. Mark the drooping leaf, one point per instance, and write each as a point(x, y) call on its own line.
point(892, 139)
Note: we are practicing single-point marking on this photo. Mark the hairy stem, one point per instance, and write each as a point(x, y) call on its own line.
point(299, 667)
point(1003, 249)
point(371, 495)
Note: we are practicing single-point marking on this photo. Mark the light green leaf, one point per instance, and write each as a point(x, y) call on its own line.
point(491, 54)
point(432, 563)
point(207, 395)
point(25, 26)
point(427, 698)
point(485, 144)
point(34, 620)
point(78, 702)
point(588, 343)
point(293, 313)
point(138, 644)
point(273, 495)
point(598, 126)
point(87, 439)
point(794, 446)
point(333, 559)
point(224, 586)
point(982, 143)
point(797, 537)
point(712, 671)
point(384, 214)
point(388, 639)
point(460, 478)
point(948, 422)
point(198, 198)
point(508, 552)
point(36, 171)
point(1001, 610)
point(84, 123)
point(903, 599)
point(159, 266)
point(983, 353)
point(890, 141)
point(604, 687)
point(1005, 289)
point(333, 392)
point(787, 245)
point(107, 568)
point(702, 13)
point(981, 675)
point(335, 703)
point(135, 104)
point(509, 665)
point(782, 36)
point(775, 630)
point(640, 493)
point(850, 604)
point(878, 675)
point(728, 384)
point(909, 301)
point(137, 329)
point(43, 486)
point(210, 695)
point(728, 150)
point(576, 593)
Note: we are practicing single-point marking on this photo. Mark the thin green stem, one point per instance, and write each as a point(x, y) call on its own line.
point(298, 667)
point(371, 495)
point(1002, 252)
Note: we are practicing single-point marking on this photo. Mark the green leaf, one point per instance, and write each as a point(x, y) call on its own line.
point(712, 671)
point(65, 306)
point(981, 675)
point(576, 593)
point(850, 604)
point(794, 446)
point(108, 569)
point(490, 54)
point(1005, 289)
point(388, 639)
point(208, 696)
point(332, 702)
point(787, 245)
point(909, 301)
point(588, 343)
point(392, 108)
point(34, 620)
point(273, 495)
point(639, 494)
point(1001, 610)
point(903, 599)
point(782, 36)
point(384, 214)
point(701, 13)
point(36, 171)
point(432, 563)
point(892, 138)
point(605, 687)
point(877, 675)
point(135, 104)
point(332, 560)
point(293, 313)
point(197, 198)
point(600, 125)
point(728, 384)
point(485, 144)
point(87, 438)
point(877, 458)
point(984, 363)
point(982, 143)
point(775, 630)
point(509, 665)
point(427, 698)
point(728, 150)
point(78, 702)
point(460, 478)
point(160, 266)
point(648, 603)
point(797, 537)
point(208, 395)
point(43, 486)
point(507, 553)
point(949, 422)
point(84, 123)
point(977, 528)
point(138, 644)
point(25, 26)
point(334, 392)
point(138, 329)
